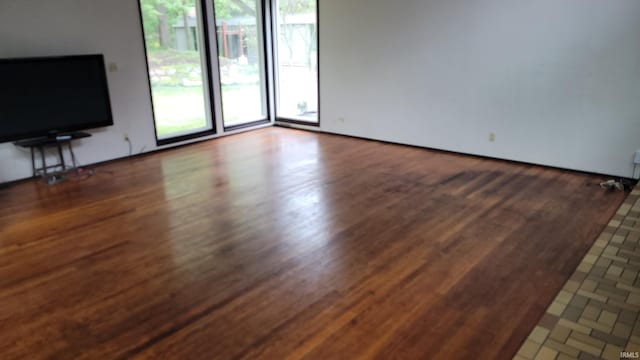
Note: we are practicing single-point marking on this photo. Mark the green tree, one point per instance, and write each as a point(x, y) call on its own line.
point(158, 16)
point(228, 9)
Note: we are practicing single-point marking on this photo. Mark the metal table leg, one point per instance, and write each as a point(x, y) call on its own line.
point(44, 160)
point(64, 167)
point(33, 163)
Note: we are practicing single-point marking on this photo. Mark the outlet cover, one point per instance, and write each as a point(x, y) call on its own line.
point(636, 159)
point(112, 67)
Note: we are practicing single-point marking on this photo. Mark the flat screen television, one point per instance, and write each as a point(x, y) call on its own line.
point(48, 96)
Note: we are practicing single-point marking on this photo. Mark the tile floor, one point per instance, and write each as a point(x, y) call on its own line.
point(595, 315)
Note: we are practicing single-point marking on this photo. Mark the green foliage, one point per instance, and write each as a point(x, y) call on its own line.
point(172, 12)
point(150, 23)
point(296, 6)
point(160, 17)
point(228, 9)
point(151, 14)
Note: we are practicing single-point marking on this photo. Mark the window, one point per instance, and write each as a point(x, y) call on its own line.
point(174, 39)
point(177, 37)
point(297, 60)
point(241, 60)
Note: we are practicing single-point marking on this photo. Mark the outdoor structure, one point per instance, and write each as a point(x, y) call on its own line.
point(181, 38)
point(235, 33)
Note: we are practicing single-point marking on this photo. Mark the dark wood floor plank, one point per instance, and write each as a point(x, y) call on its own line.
point(287, 244)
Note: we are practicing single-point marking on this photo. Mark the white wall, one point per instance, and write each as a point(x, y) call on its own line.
point(64, 27)
point(557, 81)
point(60, 27)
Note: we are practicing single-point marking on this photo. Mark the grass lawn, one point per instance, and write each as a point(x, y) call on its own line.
point(179, 109)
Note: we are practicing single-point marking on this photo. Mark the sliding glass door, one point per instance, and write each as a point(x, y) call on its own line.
point(241, 60)
point(202, 53)
point(296, 60)
point(176, 43)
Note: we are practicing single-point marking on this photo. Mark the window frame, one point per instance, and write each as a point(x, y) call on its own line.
point(207, 77)
point(274, 69)
point(262, 20)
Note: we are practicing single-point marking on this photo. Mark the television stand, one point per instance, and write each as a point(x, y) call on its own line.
point(54, 141)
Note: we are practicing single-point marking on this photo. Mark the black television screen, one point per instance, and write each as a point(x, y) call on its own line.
point(49, 95)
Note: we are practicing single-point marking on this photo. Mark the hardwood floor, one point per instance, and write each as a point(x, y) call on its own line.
point(282, 244)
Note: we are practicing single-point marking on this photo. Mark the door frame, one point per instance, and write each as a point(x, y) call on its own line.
point(274, 69)
point(206, 64)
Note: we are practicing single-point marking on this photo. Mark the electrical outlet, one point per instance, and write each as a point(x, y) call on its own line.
point(636, 158)
point(126, 137)
point(492, 137)
point(112, 66)
point(341, 119)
